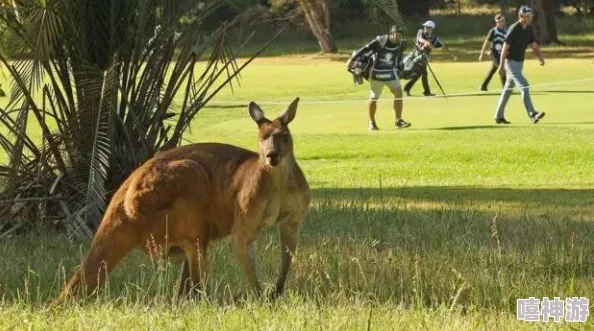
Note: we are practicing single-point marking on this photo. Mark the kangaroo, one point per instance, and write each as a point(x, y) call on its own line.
point(184, 198)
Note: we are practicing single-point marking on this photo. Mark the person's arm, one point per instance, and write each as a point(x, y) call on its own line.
point(485, 44)
point(536, 50)
point(421, 40)
point(438, 43)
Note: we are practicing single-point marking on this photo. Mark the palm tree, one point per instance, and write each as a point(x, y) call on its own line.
point(94, 95)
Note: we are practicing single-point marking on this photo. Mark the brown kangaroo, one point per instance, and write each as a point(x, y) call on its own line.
point(186, 197)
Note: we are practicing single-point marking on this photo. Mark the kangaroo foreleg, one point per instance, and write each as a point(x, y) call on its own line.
point(245, 256)
point(289, 236)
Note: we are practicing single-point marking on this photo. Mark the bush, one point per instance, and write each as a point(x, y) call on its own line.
point(10, 46)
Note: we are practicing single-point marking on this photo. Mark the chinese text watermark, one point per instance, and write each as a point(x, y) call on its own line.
point(570, 310)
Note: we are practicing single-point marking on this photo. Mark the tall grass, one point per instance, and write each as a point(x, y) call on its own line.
point(353, 253)
point(389, 252)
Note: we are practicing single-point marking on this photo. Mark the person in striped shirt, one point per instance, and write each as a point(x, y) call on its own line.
point(426, 41)
point(496, 38)
point(386, 57)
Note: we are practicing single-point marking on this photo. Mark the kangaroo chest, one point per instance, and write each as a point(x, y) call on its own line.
point(280, 207)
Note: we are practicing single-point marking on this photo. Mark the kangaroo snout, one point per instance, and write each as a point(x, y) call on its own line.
point(272, 158)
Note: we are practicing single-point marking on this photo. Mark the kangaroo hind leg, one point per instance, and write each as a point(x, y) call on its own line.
point(194, 269)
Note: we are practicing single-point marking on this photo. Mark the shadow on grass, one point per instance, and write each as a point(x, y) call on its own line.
point(472, 127)
point(502, 126)
point(226, 106)
point(438, 218)
point(448, 194)
point(566, 91)
point(451, 223)
point(566, 123)
point(514, 92)
point(467, 52)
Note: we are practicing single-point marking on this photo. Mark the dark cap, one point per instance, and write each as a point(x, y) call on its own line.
point(525, 11)
point(499, 17)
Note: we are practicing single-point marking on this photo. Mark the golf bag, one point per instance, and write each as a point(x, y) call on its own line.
point(360, 67)
point(413, 64)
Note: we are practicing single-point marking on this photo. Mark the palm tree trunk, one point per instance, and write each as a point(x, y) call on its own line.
point(317, 14)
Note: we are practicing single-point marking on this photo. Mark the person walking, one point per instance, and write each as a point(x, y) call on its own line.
point(518, 38)
point(494, 40)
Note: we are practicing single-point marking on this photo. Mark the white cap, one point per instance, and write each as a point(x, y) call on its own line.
point(429, 24)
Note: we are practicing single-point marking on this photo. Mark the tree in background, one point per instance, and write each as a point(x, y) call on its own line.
point(418, 8)
point(100, 87)
point(318, 17)
point(503, 6)
point(583, 7)
point(545, 23)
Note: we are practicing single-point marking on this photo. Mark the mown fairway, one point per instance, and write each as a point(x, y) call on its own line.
point(401, 227)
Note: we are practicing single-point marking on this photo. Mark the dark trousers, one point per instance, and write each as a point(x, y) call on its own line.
point(494, 68)
point(423, 74)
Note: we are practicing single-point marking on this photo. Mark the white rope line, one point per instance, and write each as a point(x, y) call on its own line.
point(461, 94)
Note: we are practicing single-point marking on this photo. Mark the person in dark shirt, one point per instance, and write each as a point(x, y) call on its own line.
point(495, 38)
point(426, 41)
point(386, 55)
point(518, 38)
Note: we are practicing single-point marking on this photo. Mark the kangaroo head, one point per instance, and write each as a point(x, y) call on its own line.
point(275, 142)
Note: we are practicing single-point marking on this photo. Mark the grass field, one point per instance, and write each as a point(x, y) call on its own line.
point(401, 230)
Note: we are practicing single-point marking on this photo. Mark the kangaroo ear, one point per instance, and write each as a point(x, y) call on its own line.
point(288, 115)
point(257, 114)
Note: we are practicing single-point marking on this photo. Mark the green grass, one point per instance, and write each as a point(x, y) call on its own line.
point(400, 224)
point(291, 315)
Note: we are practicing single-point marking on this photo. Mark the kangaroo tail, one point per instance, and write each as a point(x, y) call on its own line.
point(113, 240)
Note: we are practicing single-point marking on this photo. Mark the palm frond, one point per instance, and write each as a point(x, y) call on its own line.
point(40, 32)
point(100, 156)
point(16, 156)
point(390, 8)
